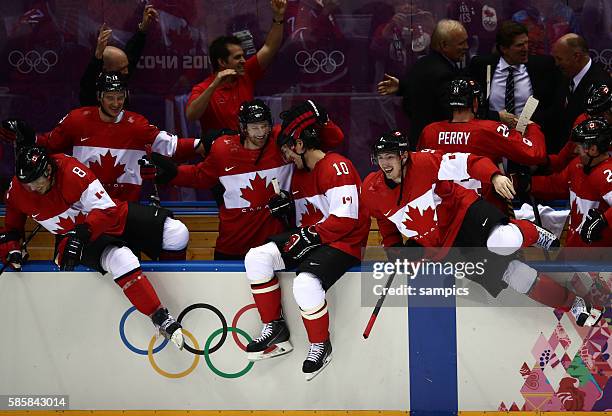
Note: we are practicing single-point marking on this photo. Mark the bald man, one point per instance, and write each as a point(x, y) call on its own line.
point(112, 59)
point(571, 54)
point(425, 87)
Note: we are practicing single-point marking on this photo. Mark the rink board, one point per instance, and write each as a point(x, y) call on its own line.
point(61, 335)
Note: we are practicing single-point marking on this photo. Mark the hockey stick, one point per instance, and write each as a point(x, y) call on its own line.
point(381, 300)
point(23, 247)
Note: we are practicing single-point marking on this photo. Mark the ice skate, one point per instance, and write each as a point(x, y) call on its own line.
point(274, 335)
point(585, 314)
point(168, 327)
point(319, 355)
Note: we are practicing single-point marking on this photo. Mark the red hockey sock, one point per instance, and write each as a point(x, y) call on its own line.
point(529, 231)
point(317, 324)
point(139, 291)
point(550, 293)
point(267, 297)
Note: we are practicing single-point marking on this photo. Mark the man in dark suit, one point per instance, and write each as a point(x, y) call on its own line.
point(571, 54)
point(425, 87)
point(515, 75)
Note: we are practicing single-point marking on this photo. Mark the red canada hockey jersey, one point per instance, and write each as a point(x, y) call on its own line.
point(328, 198)
point(486, 138)
point(432, 207)
point(244, 218)
point(585, 192)
point(76, 197)
point(112, 150)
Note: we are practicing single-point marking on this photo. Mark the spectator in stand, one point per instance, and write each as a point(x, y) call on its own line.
point(216, 100)
point(112, 59)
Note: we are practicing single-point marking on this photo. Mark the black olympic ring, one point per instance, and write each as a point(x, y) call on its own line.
point(221, 318)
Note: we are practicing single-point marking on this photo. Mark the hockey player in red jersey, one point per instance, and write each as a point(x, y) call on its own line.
point(587, 182)
point(466, 133)
point(332, 227)
point(413, 196)
point(110, 140)
point(66, 198)
point(598, 103)
point(245, 164)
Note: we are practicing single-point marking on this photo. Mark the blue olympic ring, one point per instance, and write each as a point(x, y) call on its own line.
point(127, 343)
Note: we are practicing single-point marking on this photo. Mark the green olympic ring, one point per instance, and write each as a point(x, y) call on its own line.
point(211, 365)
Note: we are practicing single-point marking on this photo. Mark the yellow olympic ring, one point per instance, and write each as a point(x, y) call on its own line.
point(196, 359)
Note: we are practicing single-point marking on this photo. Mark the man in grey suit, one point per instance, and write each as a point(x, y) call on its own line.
point(571, 54)
point(515, 75)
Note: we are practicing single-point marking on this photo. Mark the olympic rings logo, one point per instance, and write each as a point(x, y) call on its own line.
point(604, 57)
point(206, 352)
point(33, 61)
point(319, 60)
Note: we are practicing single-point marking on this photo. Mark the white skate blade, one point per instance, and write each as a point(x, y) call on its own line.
point(282, 348)
point(310, 376)
point(594, 316)
point(178, 339)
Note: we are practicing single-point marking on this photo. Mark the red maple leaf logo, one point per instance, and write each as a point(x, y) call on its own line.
point(66, 224)
point(106, 171)
point(258, 193)
point(421, 223)
point(312, 215)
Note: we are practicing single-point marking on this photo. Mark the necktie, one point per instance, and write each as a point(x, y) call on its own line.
point(570, 91)
point(509, 101)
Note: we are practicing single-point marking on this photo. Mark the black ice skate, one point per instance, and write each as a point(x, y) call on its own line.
point(546, 239)
point(273, 341)
point(168, 327)
point(319, 355)
point(585, 314)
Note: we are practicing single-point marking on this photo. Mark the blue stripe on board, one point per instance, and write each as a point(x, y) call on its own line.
point(432, 351)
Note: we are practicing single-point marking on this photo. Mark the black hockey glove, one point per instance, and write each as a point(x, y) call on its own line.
point(281, 205)
point(301, 242)
point(70, 248)
point(18, 131)
point(10, 249)
point(165, 168)
point(410, 251)
point(593, 226)
point(522, 185)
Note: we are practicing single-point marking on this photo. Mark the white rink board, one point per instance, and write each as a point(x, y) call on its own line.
point(61, 336)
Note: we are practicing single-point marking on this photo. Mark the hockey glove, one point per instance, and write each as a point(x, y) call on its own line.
point(166, 168)
point(70, 248)
point(147, 169)
point(281, 205)
point(10, 249)
point(18, 131)
point(301, 242)
point(410, 251)
point(522, 185)
point(593, 226)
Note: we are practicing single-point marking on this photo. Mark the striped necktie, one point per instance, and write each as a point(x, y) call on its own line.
point(509, 100)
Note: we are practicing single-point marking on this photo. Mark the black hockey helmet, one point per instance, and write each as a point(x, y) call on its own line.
point(254, 111)
point(594, 131)
point(391, 142)
point(598, 100)
point(462, 92)
point(111, 81)
point(309, 135)
point(31, 163)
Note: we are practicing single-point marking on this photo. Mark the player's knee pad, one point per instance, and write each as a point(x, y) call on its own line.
point(118, 261)
point(505, 239)
point(308, 291)
point(261, 262)
point(175, 236)
point(520, 276)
